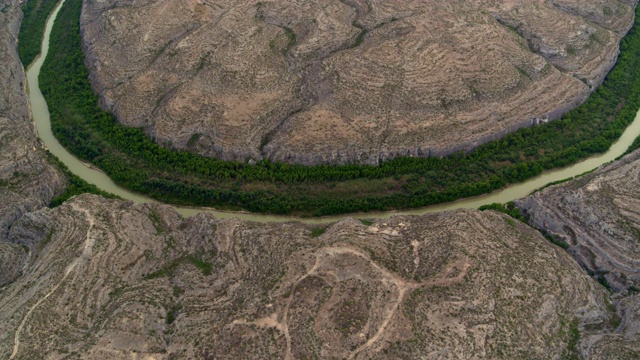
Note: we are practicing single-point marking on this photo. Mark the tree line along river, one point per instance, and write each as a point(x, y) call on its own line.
point(94, 176)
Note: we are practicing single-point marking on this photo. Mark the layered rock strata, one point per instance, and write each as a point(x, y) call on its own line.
point(598, 215)
point(120, 280)
point(345, 81)
point(107, 279)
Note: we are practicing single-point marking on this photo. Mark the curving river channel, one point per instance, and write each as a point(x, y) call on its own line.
point(101, 180)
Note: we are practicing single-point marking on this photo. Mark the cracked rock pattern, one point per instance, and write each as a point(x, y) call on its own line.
point(107, 279)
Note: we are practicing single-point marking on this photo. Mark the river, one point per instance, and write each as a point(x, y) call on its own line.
point(40, 113)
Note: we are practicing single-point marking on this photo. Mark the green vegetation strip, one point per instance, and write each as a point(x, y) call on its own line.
point(508, 208)
point(134, 161)
point(36, 13)
point(75, 185)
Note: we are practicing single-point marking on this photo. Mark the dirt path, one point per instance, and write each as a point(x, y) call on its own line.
point(401, 284)
point(454, 273)
point(385, 323)
point(285, 324)
point(16, 341)
point(86, 252)
point(326, 253)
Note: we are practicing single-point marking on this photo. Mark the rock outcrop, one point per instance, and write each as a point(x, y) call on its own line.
point(345, 81)
point(27, 181)
point(624, 343)
point(598, 215)
point(118, 280)
point(13, 259)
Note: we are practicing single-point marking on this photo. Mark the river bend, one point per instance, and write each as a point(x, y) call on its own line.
point(40, 113)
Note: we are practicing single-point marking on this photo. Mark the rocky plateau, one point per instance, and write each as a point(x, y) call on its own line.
point(117, 280)
point(345, 81)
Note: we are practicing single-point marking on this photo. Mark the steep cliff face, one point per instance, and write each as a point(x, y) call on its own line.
point(599, 216)
point(27, 181)
point(345, 81)
point(118, 280)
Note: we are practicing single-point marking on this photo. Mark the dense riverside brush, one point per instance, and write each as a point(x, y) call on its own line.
point(136, 162)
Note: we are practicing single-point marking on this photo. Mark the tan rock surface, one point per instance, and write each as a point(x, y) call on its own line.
point(12, 260)
point(345, 81)
point(118, 280)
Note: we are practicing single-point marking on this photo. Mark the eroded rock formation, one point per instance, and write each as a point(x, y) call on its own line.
point(345, 81)
point(118, 280)
point(599, 216)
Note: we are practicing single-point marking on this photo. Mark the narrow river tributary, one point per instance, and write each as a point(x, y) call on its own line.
point(40, 113)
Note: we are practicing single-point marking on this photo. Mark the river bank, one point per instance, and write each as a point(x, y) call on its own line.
point(41, 117)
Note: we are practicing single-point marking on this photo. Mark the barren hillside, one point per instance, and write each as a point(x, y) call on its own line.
point(119, 280)
point(598, 215)
point(343, 81)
